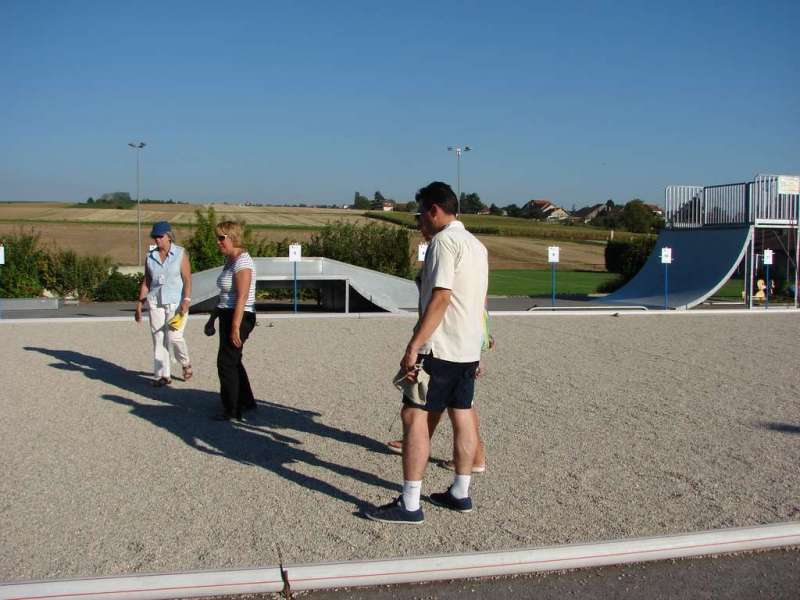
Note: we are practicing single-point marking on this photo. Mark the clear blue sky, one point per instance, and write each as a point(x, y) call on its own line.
point(287, 102)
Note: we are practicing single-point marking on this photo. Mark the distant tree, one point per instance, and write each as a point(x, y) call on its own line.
point(471, 203)
point(495, 210)
point(361, 202)
point(512, 210)
point(378, 197)
point(636, 217)
point(90, 200)
point(411, 207)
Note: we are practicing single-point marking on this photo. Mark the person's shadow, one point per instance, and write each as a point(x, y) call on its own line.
point(781, 427)
point(185, 413)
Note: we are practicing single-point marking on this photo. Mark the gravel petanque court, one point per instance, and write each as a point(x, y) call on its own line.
point(596, 427)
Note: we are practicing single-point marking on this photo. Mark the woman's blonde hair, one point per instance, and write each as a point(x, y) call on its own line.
point(233, 230)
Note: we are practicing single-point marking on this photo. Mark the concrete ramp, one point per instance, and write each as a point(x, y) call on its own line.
point(702, 261)
point(342, 284)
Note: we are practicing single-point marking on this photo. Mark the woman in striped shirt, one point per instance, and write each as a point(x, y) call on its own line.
point(237, 317)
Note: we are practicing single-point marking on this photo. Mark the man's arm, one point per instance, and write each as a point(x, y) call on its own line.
point(430, 320)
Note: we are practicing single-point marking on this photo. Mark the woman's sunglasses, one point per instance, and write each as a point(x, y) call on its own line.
point(222, 238)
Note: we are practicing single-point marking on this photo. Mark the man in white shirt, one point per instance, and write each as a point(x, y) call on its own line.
point(447, 342)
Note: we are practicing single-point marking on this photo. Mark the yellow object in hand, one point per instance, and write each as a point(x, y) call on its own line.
point(176, 322)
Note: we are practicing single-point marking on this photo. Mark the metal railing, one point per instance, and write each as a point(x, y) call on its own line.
point(725, 204)
point(758, 202)
point(684, 206)
point(770, 206)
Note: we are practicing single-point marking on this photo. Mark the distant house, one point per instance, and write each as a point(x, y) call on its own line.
point(544, 210)
point(656, 210)
point(587, 213)
point(385, 205)
point(484, 211)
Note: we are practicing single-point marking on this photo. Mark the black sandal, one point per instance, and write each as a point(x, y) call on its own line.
point(161, 382)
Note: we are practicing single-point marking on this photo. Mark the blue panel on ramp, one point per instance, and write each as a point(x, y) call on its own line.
point(702, 261)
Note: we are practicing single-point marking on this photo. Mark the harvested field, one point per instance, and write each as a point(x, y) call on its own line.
point(113, 232)
point(179, 214)
point(119, 242)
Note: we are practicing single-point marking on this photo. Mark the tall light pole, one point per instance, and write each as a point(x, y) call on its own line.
point(458, 150)
point(138, 147)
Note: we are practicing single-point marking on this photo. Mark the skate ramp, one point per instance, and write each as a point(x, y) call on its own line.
point(702, 261)
point(340, 282)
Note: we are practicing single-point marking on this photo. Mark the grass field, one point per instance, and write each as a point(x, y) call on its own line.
point(538, 282)
point(509, 226)
point(112, 232)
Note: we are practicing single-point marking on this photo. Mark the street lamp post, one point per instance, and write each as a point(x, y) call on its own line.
point(138, 147)
point(458, 150)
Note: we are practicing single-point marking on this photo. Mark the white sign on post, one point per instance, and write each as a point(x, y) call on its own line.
point(295, 252)
point(422, 250)
point(552, 254)
point(2, 254)
point(666, 256)
point(788, 184)
point(767, 257)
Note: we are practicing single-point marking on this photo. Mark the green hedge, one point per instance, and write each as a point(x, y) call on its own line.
point(377, 247)
point(32, 267)
point(628, 257)
point(119, 288)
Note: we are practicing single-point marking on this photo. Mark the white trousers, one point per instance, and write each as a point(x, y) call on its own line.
point(164, 337)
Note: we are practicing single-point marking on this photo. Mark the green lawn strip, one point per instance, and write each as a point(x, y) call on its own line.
point(732, 290)
point(515, 227)
point(538, 282)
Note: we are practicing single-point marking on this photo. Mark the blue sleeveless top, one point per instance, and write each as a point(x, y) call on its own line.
point(166, 284)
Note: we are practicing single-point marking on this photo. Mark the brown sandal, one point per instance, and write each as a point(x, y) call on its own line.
point(187, 372)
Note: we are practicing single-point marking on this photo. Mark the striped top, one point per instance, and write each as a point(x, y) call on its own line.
point(226, 284)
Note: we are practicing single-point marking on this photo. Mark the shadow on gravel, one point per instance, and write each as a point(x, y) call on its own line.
point(782, 427)
point(185, 413)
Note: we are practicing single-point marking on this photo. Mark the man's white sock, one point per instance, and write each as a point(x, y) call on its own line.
point(411, 492)
point(460, 487)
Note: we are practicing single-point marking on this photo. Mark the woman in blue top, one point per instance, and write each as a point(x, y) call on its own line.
point(237, 317)
point(167, 289)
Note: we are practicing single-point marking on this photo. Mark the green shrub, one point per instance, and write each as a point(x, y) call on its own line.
point(68, 274)
point(119, 288)
point(628, 257)
point(377, 247)
point(612, 285)
point(202, 245)
point(25, 258)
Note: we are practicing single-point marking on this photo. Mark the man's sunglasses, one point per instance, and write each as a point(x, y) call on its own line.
point(156, 237)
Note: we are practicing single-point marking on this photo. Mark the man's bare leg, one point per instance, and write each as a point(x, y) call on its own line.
point(416, 451)
point(465, 439)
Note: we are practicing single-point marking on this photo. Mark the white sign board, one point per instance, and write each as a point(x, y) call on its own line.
point(2, 254)
point(422, 250)
point(788, 184)
point(666, 255)
point(767, 257)
point(295, 252)
point(552, 254)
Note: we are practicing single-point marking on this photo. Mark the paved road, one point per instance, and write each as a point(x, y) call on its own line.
point(126, 309)
point(774, 575)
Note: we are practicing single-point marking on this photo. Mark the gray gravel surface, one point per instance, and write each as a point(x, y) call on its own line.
point(596, 428)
